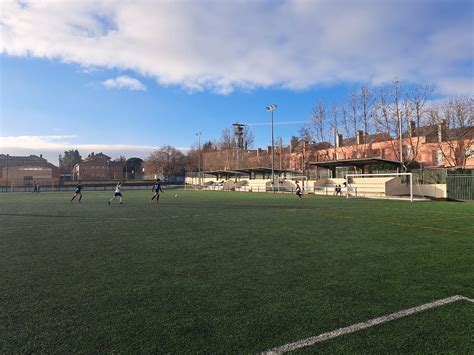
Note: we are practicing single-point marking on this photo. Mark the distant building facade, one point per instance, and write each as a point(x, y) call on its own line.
point(25, 170)
point(99, 167)
point(432, 146)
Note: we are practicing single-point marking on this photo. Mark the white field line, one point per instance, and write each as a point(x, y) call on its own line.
point(359, 326)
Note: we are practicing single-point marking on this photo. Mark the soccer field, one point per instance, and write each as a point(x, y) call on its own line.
point(217, 272)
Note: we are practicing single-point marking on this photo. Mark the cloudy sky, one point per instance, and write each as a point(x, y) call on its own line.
point(125, 77)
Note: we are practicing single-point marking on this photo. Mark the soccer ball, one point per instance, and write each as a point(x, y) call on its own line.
point(176, 195)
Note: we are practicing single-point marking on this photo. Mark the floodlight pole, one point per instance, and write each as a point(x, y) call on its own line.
point(399, 124)
point(198, 134)
point(6, 182)
point(272, 108)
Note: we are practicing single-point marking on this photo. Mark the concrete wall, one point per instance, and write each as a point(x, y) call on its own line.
point(431, 190)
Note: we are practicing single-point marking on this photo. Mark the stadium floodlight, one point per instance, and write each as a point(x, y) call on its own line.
point(271, 108)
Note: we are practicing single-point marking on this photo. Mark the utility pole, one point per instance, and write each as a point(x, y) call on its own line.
point(7, 176)
point(198, 134)
point(272, 108)
point(304, 151)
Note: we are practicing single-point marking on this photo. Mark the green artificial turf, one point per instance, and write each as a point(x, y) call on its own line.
point(221, 272)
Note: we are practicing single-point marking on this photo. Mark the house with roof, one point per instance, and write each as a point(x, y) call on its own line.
point(26, 170)
point(99, 167)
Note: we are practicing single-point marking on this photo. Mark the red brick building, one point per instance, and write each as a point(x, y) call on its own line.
point(433, 146)
point(25, 170)
point(99, 167)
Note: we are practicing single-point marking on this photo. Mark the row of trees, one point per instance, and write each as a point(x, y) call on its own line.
point(389, 111)
point(394, 110)
point(70, 158)
point(167, 160)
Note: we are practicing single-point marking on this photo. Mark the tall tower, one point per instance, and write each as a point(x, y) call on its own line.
point(239, 141)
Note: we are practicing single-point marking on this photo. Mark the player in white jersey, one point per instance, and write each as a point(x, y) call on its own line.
point(117, 193)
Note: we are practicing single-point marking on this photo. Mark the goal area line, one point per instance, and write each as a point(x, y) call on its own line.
point(363, 325)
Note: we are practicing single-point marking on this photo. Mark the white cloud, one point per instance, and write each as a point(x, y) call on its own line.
point(221, 46)
point(51, 146)
point(124, 82)
point(456, 86)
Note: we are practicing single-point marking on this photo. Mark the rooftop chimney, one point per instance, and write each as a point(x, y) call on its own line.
point(360, 137)
point(338, 140)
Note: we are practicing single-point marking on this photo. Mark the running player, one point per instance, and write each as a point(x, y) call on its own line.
point(298, 190)
point(78, 192)
point(157, 189)
point(117, 193)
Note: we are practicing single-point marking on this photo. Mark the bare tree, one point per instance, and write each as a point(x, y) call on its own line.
point(120, 159)
point(315, 130)
point(401, 114)
point(305, 133)
point(354, 111)
point(249, 138)
point(226, 141)
point(166, 161)
point(389, 116)
point(455, 121)
point(415, 113)
point(344, 121)
point(366, 103)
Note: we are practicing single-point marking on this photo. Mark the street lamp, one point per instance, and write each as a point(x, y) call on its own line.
point(272, 108)
point(198, 134)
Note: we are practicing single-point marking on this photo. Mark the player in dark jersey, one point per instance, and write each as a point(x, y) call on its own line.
point(157, 189)
point(298, 190)
point(78, 192)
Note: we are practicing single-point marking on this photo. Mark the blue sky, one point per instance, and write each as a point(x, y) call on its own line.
point(128, 77)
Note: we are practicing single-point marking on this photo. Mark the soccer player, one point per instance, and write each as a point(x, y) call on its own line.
point(157, 189)
point(298, 190)
point(78, 192)
point(36, 187)
point(117, 193)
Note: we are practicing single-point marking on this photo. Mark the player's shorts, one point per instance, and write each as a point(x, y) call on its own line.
point(118, 194)
point(78, 191)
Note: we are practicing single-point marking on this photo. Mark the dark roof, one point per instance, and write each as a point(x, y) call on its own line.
point(222, 172)
point(458, 133)
point(448, 133)
point(354, 162)
point(246, 171)
point(422, 131)
point(265, 170)
point(32, 160)
point(370, 138)
point(97, 156)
